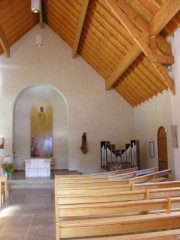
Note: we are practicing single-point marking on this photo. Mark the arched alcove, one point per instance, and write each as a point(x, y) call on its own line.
point(22, 115)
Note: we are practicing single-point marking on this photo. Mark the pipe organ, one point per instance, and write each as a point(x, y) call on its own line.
point(114, 159)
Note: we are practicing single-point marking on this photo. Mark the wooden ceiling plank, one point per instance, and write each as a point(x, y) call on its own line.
point(139, 73)
point(113, 24)
point(102, 46)
point(128, 59)
point(163, 16)
point(89, 43)
point(109, 37)
point(135, 77)
point(137, 87)
point(80, 27)
point(141, 42)
point(125, 94)
point(103, 61)
point(112, 33)
point(4, 43)
point(102, 36)
point(134, 16)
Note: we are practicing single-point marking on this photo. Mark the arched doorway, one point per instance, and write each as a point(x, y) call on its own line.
point(162, 149)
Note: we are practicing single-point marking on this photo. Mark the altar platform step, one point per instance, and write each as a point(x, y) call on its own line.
point(31, 183)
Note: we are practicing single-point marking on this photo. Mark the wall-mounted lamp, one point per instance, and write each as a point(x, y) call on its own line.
point(35, 6)
point(38, 40)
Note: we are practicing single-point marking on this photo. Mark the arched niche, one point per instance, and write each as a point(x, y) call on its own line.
point(22, 124)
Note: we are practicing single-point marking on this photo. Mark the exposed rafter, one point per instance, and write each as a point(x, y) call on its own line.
point(142, 42)
point(134, 16)
point(4, 43)
point(40, 14)
point(163, 16)
point(80, 26)
point(123, 65)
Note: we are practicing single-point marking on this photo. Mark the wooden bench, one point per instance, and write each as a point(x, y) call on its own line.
point(114, 189)
point(134, 173)
point(93, 216)
point(112, 173)
point(160, 235)
point(117, 196)
point(90, 182)
point(99, 210)
point(116, 225)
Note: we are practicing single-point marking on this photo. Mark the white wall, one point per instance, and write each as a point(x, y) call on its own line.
point(148, 118)
point(163, 110)
point(175, 100)
point(103, 115)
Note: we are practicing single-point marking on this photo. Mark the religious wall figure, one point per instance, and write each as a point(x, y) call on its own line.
point(41, 131)
point(42, 117)
point(84, 148)
point(1, 143)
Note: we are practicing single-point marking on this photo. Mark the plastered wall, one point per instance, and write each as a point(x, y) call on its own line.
point(103, 115)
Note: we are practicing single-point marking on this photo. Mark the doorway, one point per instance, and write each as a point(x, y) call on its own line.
point(162, 149)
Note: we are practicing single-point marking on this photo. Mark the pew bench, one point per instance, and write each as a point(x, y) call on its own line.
point(117, 196)
point(112, 173)
point(114, 189)
point(109, 226)
point(98, 210)
point(136, 173)
point(91, 182)
point(160, 235)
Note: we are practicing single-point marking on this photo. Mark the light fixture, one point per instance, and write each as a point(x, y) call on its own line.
point(38, 40)
point(35, 6)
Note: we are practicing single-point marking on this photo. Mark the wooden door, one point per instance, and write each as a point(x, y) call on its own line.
point(162, 149)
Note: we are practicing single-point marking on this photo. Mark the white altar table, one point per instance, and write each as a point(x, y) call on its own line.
point(37, 167)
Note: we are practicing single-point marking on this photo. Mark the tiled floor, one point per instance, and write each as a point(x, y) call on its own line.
point(28, 214)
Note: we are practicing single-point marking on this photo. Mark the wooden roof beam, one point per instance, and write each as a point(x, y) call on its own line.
point(163, 16)
point(123, 65)
point(40, 14)
point(141, 42)
point(80, 27)
point(4, 43)
point(161, 59)
point(134, 16)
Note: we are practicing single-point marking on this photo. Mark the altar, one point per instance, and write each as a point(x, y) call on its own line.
point(37, 167)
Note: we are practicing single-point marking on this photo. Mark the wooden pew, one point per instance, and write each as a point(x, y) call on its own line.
point(160, 235)
point(97, 177)
point(117, 225)
point(117, 196)
point(136, 173)
point(100, 210)
point(112, 173)
point(90, 182)
point(114, 189)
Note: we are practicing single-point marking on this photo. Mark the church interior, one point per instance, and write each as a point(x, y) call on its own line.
point(90, 119)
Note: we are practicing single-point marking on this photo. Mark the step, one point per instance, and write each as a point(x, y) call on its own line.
point(31, 183)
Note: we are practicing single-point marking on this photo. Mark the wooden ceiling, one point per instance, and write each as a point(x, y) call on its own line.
point(125, 41)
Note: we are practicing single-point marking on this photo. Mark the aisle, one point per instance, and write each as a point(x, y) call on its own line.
point(28, 215)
